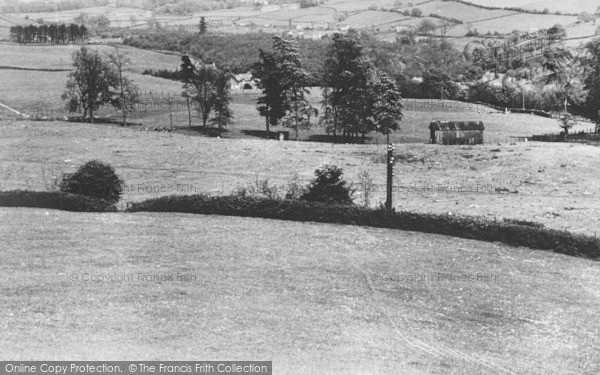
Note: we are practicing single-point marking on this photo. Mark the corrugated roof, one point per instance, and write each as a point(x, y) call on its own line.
point(456, 125)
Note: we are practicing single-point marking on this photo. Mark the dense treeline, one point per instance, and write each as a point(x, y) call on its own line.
point(49, 6)
point(53, 33)
point(239, 52)
point(428, 68)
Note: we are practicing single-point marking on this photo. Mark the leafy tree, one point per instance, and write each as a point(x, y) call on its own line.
point(387, 111)
point(127, 91)
point(416, 12)
point(437, 84)
point(557, 32)
point(329, 187)
point(100, 22)
point(426, 27)
point(91, 83)
point(563, 71)
point(591, 80)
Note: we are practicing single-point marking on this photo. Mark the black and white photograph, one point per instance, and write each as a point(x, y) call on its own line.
point(299, 187)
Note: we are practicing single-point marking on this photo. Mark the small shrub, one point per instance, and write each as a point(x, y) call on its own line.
point(295, 190)
point(329, 187)
point(94, 179)
point(259, 189)
point(367, 185)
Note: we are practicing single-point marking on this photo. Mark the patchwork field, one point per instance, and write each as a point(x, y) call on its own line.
point(312, 298)
point(374, 15)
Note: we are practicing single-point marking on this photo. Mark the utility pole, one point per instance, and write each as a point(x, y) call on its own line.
point(390, 176)
point(171, 112)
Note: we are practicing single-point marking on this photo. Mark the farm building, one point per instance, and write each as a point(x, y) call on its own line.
point(456, 133)
point(243, 82)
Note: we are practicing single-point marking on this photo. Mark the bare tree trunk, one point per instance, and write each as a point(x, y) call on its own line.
point(189, 111)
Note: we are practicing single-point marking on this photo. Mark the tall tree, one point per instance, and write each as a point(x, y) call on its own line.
point(272, 103)
point(202, 26)
point(222, 113)
point(187, 69)
point(91, 83)
point(387, 106)
point(284, 83)
point(346, 78)
point(295, 82)
point(591, 80)
point(126, 90)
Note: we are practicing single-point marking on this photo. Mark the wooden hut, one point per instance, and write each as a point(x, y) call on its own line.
point(456, 133)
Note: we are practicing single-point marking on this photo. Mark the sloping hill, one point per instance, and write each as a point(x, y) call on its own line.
point(313, 298)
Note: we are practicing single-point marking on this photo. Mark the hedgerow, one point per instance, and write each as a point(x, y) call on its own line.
point(54, 200)
point(511, 233)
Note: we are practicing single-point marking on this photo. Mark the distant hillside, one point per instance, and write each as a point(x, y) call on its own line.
point(463, 20)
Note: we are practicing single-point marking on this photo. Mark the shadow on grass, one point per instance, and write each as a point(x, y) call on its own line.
point(267, 135)
point(329, 138)
point(207, 131)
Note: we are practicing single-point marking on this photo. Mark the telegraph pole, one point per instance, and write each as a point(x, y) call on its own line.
point(390, 176)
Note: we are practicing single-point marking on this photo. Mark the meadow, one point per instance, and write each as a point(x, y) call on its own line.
point(554, 184)
point(571, 6)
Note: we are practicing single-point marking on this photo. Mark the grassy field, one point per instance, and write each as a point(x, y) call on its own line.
point(313, 298)
point(38, 93)
point(554, 184)
point(571, 6)
point(59, 57)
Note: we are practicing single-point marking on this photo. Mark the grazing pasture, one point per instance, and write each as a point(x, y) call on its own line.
point(571, 6)
point(522, 21)
point(551, 183)
point(59, 57)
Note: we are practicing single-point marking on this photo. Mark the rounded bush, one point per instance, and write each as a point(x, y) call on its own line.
point(94, 179)
point(329, 187)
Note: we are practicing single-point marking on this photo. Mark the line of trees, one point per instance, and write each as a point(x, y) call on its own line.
point(358, 98)
point(53, 33)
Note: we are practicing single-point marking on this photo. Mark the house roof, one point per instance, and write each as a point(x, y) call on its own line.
point(456, 125)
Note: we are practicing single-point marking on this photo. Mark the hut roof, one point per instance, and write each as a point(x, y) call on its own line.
point(456, 125)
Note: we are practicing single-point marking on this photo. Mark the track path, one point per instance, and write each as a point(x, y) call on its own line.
point(13, 110)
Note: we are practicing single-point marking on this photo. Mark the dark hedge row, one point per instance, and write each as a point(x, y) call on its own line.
point(54, 200)
point(507, 232)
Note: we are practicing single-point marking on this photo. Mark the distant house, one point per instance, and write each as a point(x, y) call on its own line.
point(243, 82)
point(321, 25)
point(305, 26)
point(344, 28)
point(403, 28)
point(456, 133)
